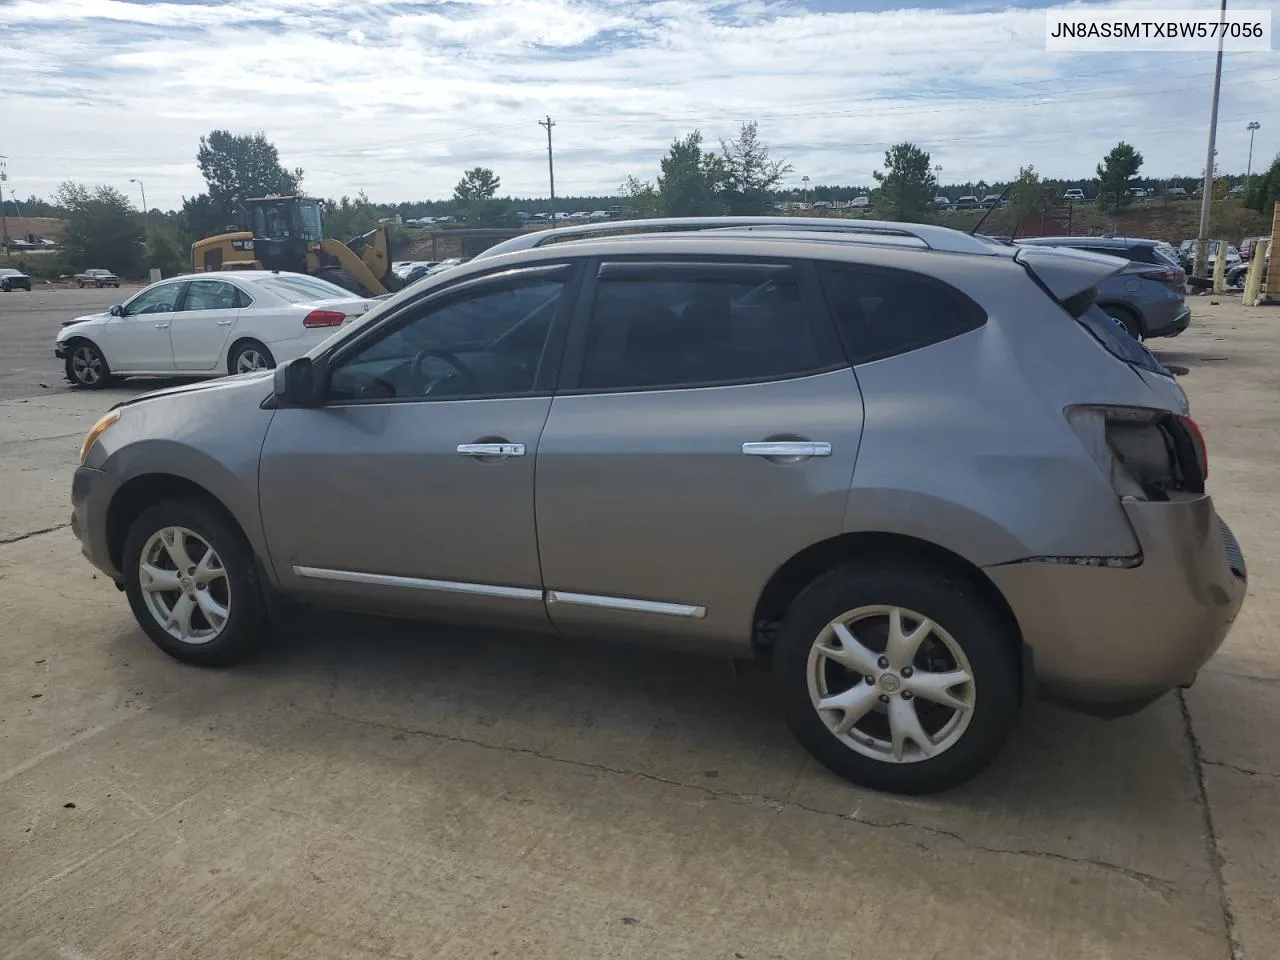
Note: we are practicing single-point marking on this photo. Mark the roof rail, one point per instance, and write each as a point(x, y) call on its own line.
point(935, 238)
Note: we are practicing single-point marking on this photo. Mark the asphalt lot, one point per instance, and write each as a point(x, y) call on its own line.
point(371, 789)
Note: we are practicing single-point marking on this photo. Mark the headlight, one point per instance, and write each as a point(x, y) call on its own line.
point(97, 430)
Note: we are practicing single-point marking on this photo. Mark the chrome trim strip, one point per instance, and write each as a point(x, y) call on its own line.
point(626, 603)
point(419, 583)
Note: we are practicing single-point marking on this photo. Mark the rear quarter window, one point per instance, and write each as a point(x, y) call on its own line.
point(884, 312)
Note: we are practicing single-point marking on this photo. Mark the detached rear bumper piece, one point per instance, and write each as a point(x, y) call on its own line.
point(1111, 638)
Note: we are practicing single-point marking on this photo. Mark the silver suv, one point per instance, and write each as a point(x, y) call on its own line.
point(920, 474)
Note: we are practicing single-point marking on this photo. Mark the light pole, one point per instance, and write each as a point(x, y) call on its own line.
point(146, 213)
point(805, 181)
point(1201, 264)
point(1253, 128)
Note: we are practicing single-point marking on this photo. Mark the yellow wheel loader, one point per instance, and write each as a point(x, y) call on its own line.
point(287, 233)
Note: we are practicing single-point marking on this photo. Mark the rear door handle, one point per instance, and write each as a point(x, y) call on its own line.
point(163, 325)
point(491, 449)
point(225, 323)
point(787, 448)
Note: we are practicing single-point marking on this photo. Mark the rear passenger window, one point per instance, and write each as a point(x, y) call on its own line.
point(681, 325)
point(881, 313)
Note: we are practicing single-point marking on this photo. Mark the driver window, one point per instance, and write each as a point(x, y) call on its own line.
point(161, 299)
point(485, 343)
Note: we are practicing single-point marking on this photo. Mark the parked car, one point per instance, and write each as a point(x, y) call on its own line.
point(942, 203)
point(968, 203)
point(1247, 245)
point(1136, 193)
point(1148, 297)
point(600, 214)
point(11, 279)
point(992, 200)
point(952, 483)
point(205, 326)
point(862, 202)
point(1232, 255)
point(1074, 195)
point(96, 278)
point(1237, 191)
point(1176, 193)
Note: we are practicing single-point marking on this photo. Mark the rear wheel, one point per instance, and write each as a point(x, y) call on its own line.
point(899, 678)
point(86, 366)
point(1127, 320)
point(249, 355)
point(192, 584)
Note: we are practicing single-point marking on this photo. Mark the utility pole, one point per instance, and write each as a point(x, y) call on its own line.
point(805, 178)
point(1201, 264)
point(146, 211)
point(1254, 127)
point(551, 167)
point(4, 224)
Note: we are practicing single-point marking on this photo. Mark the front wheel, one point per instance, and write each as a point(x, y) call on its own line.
point(249, 355)
point(86, 367)
point(192, 584)
point(898, 678)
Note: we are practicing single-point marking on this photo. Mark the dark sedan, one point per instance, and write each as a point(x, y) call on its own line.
point(11, 279)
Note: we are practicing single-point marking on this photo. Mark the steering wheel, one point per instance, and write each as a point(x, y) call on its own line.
point(449, 357)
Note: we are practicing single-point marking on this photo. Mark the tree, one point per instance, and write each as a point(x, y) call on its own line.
point(907, 184)
point(746, 174)
point(641, 198)
point(476, 196)
point(690, 179)
point(347, 218)
point(1116, 174)
point(1266, 189)
point(103, 229)
point(237, 167)
point(1029, 198)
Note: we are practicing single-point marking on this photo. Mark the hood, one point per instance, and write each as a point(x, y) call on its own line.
point(254, 380)
point(88, 316)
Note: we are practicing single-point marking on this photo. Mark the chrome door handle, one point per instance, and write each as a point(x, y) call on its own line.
point(225, 323)
point(787, 448)
point(491, 449)
point(162, 326)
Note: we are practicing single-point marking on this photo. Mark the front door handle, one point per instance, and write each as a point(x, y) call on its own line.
point(491, 449)
point(163, 325)
point(787, 448)
point(225, 323)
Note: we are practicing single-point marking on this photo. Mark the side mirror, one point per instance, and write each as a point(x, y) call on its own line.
point(116, 311)
point(297, 383)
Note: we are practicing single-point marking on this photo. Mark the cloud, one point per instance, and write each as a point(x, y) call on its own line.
point(397, 98)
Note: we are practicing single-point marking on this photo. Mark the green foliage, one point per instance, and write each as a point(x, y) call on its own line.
point(236, 167)
point(640, 199)
point(1116, 174)
point(1029, 198)
point(166, 250)
point(476, 199)
point(103, 229)
point(746, 174)
point(690, 182)
point(33, 206)
point(346, 219)
point(907, 184)
point(1266, 189)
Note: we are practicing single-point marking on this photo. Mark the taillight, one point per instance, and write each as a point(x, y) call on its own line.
point(324, 318)
point(1146, 454)
point(1168, 276)
point(1200, 448)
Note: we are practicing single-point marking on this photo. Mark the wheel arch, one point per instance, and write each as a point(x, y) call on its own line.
point(145, 490)
point(877, 547)
point(239, 337)
point(1119, 306)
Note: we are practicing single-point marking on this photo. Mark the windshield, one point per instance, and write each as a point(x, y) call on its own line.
point(309, 220)
point(296, 289)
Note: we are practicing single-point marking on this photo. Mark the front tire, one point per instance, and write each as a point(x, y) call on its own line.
point(192, 584)
point(86, 367)
point(249, 355)
point(899, 677)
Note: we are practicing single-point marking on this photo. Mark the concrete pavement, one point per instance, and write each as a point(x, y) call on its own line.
point(378, 789)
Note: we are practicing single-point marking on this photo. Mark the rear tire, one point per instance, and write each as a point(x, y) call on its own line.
point(1126, 320)
point(904, 730)
point(177, 533)
point(86, 367)
point(249, 355)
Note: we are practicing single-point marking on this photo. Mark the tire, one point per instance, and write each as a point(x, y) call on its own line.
point(250, 352)
point(1127, 320)
point(966, 637)
point(4, 287)
point(86, 367)
point(230, 583)
point(80, 284)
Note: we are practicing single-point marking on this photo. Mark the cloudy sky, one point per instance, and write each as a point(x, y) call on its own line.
point(397, 98)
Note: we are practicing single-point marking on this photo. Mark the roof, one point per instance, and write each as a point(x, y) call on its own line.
point(1120, 243)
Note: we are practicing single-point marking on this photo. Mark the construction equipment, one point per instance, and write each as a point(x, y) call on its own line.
point(287, 233)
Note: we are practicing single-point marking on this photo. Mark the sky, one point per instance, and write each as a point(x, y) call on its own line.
point(398, 98)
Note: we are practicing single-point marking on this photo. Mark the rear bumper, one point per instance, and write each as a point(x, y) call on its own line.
point(1106, 636)
point(1171, 327)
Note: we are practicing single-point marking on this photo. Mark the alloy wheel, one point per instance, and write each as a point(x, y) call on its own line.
point(86, 365)
point(250, 359)
point(891, 684)
point(184, 585)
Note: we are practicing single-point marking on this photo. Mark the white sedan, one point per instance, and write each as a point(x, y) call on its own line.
point(206, 325)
